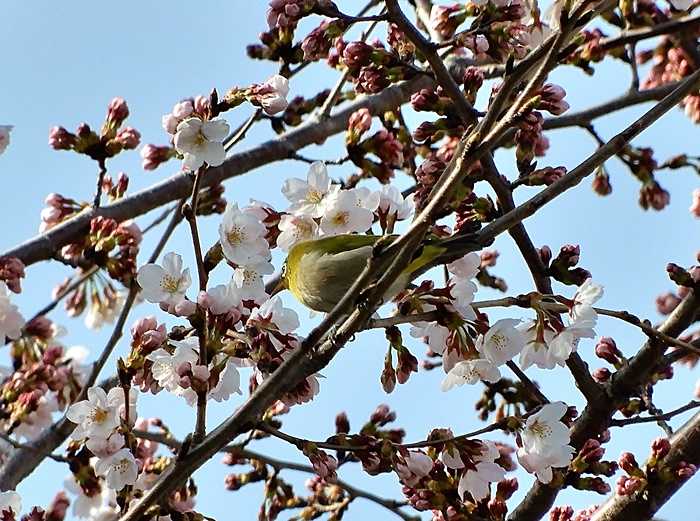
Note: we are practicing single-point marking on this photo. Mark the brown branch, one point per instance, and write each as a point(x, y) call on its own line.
point(354, 492)
point(685, 447)
point(636, 35)
point(693, 404)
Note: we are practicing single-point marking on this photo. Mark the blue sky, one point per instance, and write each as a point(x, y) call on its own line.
point(69, 59)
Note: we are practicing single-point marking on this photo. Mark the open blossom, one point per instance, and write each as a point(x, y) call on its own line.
point(164, 284)
point(467, 267)
point(545, 442)
point(103, 447)
point(248, 280)
point(118, 469)
point(201, 142)
point(94, 416)
point(228, 384)
point(502, 341)
point(242, 237)
point(165, 365)
point(588, 294)
point(11, 321)
point(476, 479)
point(392, 202)
point(271, 95)
point(435, 335)
point(10, 501)
point(462, 292)
point(5, 137)
point(546, 348)
point(344, 214)
point(272, 315)
point(222, 298)
point(307, 196)
point(470, 372)
point(294, 229)
point(36, 422)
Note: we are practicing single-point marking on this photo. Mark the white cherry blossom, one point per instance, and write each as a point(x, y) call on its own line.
point(392, 202)
point(228, 384)
point(588, 294)
point(501, 342)
point(470, 372)
point(462, 291)
point(115, 398)
point(36, 423)
point(366, 198)
point(165, 365)
point(435, 335)
point(94, 416)
point(201, 142)
point(10, 501)
point(165, 284)
point(307, 196)
point(248, 281)
point(344, 214)
point(118, 469)
point(414, 466)
point(272, 95)
point(546, 348)
point(242, 237)
point(467, 267)
point(11, 320)
point(103, 447)
point(294, 229)
point(223, 298)
point(5, 136)
point(272, 315)
point(477, 480)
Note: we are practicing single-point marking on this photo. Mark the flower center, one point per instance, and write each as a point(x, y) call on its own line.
point(200, 139)
point(314, 196)
point(341, 218)
point(122, 466)
point(235, 236)
point(541, 430)
point(500, 341)
point(170, 283)
point(98, 415)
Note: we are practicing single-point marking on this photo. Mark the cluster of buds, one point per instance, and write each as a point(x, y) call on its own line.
point(58, 209)
point(543, 176)
point(199, 107)
point(590, 461)
point(563, 266)
point(104, 237)
point(146, 336)
point(385, 145)
point(318, 43)
point(11, 271)
point(405, 365)
point(152, 156)
point(324, 464)
point(115, 190)
point(111, 140)
point(372, 67)
point(530, 141)
point(588, 50)
point(270, 95)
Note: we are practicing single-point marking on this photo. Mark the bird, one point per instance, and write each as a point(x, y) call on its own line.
point(319, 272)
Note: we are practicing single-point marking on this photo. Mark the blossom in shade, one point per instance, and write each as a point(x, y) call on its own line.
point(5, 137)
point(10, 501)
point(470, 372)
point(164, 284)
point(242, 237)
point(11, 320)
point(392, 202)
point(271, 95)
point(476, 479)
point(222, 299)
point(545, 442)
point(294, 229)
point(467, 267)
point(413, 466)
point(103, 447)
point(201, 142)
point(501, 342)
point(94, 416)
point(228, 384)
point(118, 469)
point(306, 197)
point(462, 292)
point(248, 280)
point(344, 214)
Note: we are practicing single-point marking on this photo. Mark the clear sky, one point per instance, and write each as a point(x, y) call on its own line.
point(64, 61)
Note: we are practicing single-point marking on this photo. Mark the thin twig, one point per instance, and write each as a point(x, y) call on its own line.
point(693, 404)
point(100, 179)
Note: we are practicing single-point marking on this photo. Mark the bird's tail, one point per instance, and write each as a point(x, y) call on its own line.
point(434, 252)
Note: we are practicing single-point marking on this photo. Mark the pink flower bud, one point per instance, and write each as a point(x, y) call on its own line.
point(601, 375)
point(628, 463)
point(117, 112)
point(685, 470)
point(627, 486)
point(660, 447)
point(129, 138)
point(563, 513)
point(357, 54)
point(153, 156)
point(61, 139)
point(607, 350)
point(183, 109)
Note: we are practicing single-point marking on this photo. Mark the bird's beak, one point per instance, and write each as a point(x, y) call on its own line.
point(279, 286)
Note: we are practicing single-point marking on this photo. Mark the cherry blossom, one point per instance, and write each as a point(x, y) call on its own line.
point(588, 294)
point(271, 95)
point(272, 315)
point(306, 197)
point(434, 334)
point(242, 237)
point(545, 442)
point(85, 506)
point(118, 469)
point(228, 384)
point(294, 229)
point(392, 202)
point(413, 466)
point(248, 281)
point(10, 501)
point(366, 198)
point(5, 136)
point(201, 142)
point(681, 5)
point(221, 299)
point(502, 341)
point(470, 372)
point(467, 267)
point(476, 479)
point(462, 292)
point(37, 421)
point(165, 365)
point(103, 447)
point(547, 348)
point(165, 284)
point(344, 214)
point(11, 320)
point(94, 416)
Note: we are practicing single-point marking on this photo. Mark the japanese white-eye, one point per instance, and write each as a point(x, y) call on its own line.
point(319, 272)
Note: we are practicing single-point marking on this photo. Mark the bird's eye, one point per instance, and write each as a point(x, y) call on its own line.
point(284, 269)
